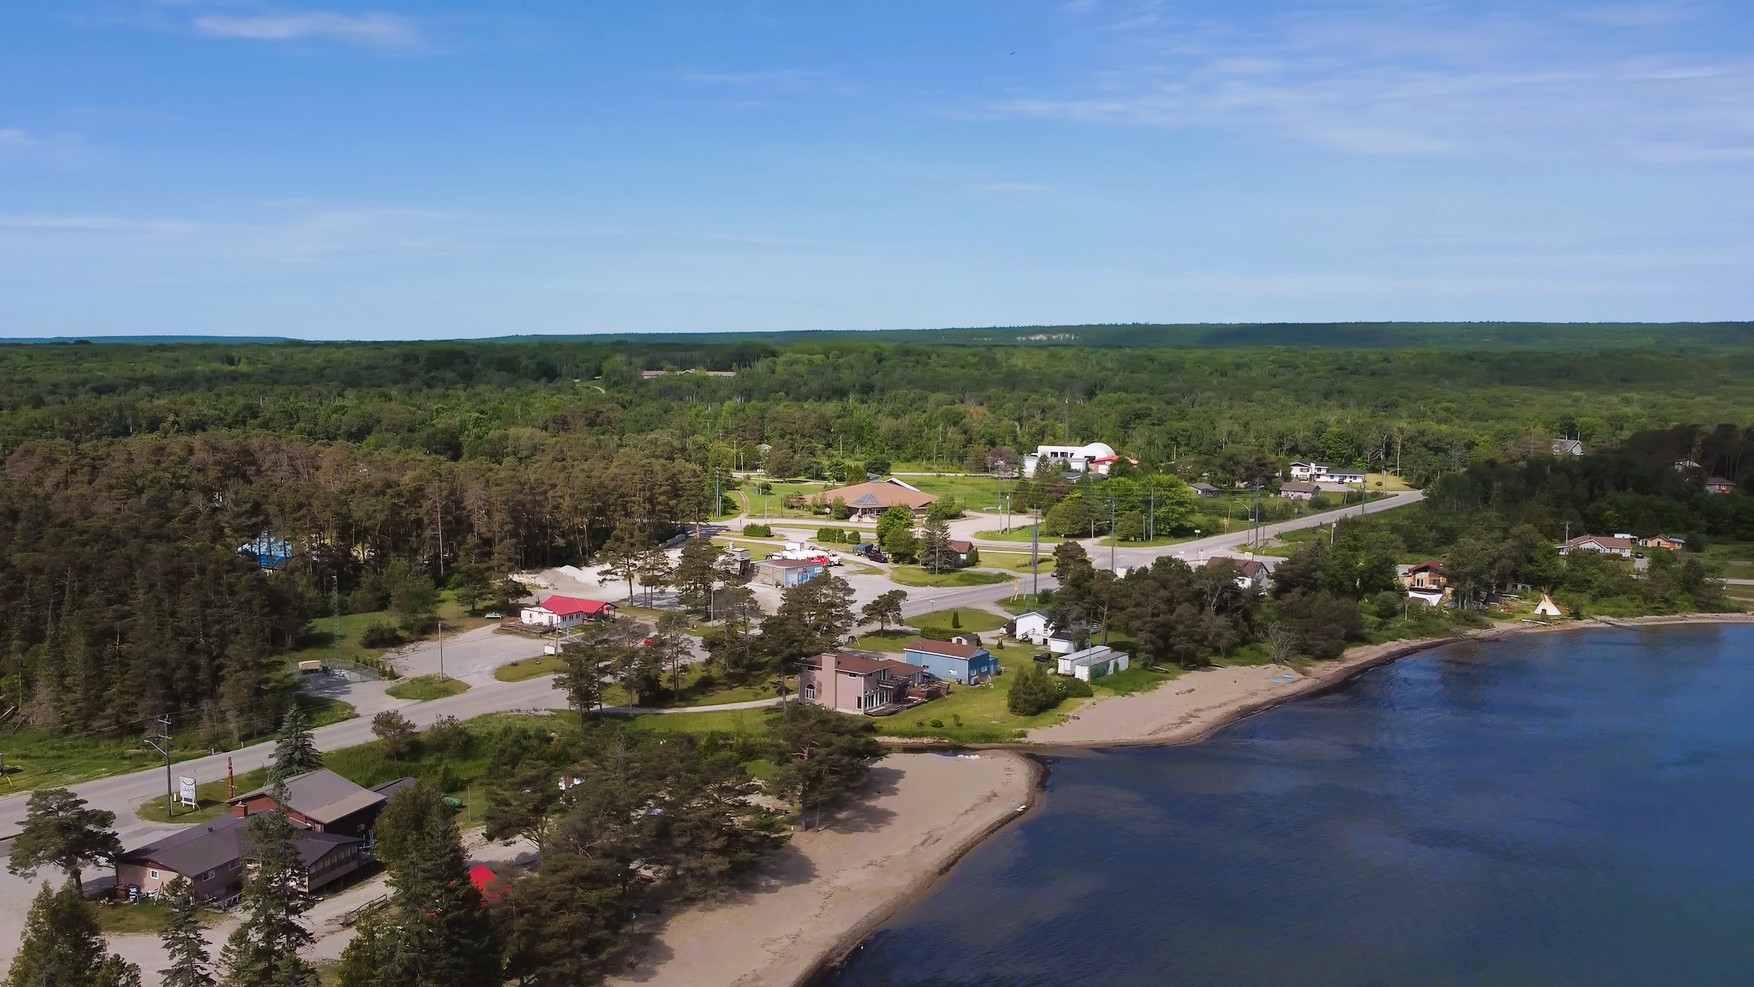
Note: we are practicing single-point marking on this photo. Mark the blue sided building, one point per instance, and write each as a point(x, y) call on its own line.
point(963, 663)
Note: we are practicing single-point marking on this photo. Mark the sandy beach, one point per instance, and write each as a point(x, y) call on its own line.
point(1190, 708)
point(829, 889)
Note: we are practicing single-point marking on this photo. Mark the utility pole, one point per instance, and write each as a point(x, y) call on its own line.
point(1151, 516)
point(441, 637)
point(1111, 547)
point(1035, 554)
point(161, 742)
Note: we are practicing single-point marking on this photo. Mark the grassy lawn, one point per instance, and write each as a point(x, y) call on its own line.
point(773, 505)
point(318, 642)
point(1020, 604)
point(970, 714)
point(695, 691)
point(977, 714)
point(892, 641)
point(745, 722)
point(970, 620)
point(424, 687)
point(913, 575)
point(143, 916)
point(41, 760)
point(529, 668)
point(1016, 561)
point(975, 493)
point(1729, 551)
point(210, 798)
point(1020, 534)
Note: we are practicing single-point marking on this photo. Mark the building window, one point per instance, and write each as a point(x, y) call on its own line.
point(810, 691)
point(152, 874)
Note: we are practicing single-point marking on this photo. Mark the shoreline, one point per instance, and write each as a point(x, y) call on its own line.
point(1167, 717)
point(817, 901)
point(826, 967)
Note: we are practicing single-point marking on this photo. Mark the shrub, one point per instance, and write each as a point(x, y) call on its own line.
point(757, 531)
point(448, 738)
point(1076, 688)
point(956, 619)
point(380, 634)
point(1034, 692)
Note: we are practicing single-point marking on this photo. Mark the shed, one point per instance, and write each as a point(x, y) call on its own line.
point(320, 800)
point(787, 572)
point(1093, 663)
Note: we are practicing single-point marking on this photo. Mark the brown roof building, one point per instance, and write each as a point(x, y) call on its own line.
point(867, 500)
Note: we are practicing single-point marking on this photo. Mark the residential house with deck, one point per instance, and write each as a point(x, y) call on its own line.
point(1617, 545)
point(1427, 582)
point(862, 682)
point(951, 661)
point(1300, 490)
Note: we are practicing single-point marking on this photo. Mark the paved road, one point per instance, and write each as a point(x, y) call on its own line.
point(481, 651)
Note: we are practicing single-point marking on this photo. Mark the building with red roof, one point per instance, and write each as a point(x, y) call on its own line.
point(561, 612)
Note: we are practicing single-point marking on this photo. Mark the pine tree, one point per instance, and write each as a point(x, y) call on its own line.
point(934, 550)
point(60, 830)
point(62, 946)
point(441, 934)
point(183, 941)
point(295, 750)
point(263, 951)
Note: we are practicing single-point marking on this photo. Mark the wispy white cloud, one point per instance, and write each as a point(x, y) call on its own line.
point(16, 139)
point(94, 224)
point(1009, 188)
point(385, 32)
point(1425, 79)
point(789, 80)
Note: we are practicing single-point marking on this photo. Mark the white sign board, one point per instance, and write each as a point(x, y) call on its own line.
point(186, 792)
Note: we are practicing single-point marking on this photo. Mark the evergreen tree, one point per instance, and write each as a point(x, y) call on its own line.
point(934, 551)
point(263, 950)
point(441, 934)
point(827, 755)
point(63, 946)
point(183, 940)
point(406, 816)
point(60, 830)
point(885, 609)
point(295, 750)
point(363, 960)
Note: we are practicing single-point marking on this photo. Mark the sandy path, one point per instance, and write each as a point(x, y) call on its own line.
point(825, 892)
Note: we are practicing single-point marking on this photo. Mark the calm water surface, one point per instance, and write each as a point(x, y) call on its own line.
point(1566, 809)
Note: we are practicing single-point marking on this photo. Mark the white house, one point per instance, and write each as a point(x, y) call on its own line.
point(1618, 545)
point(1251, 574)
point(1096, 457)
point(562, 612)
point(1348, 476)
point(1309, 471)
point(1092, 663)
point(1034, 627)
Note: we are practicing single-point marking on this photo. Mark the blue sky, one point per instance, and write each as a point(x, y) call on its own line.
point(448, 169)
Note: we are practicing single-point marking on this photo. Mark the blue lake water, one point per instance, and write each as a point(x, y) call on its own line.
point(1571, 808)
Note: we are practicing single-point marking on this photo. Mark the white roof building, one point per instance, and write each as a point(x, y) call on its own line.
point(1094, 457)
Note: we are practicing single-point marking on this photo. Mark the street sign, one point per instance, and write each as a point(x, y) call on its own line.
point(186, 792)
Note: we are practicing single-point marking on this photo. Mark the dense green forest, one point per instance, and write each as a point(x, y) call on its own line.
point(132, 473)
